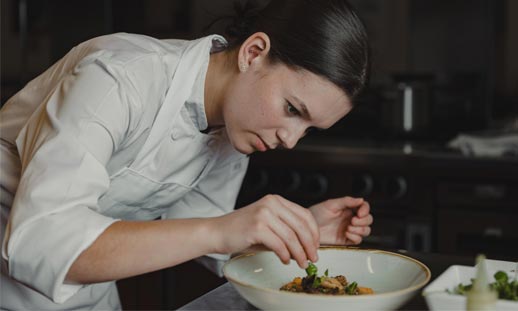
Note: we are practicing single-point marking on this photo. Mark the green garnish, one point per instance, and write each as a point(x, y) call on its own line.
point(316, 282)
point(351, 288)
point(506, 289)
point(311, 269)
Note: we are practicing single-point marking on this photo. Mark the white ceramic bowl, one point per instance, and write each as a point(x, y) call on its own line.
point(438, 299)
point(393, 277)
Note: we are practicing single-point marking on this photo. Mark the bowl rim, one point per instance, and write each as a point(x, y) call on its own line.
point(410, 289)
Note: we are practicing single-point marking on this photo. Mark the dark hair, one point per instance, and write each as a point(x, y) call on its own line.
point(325, 37)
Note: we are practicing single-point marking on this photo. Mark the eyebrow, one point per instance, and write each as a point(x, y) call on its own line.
point(305, 110)
point(303, 106)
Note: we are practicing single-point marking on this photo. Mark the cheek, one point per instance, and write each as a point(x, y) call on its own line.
point(234, 109)
point(262, 108)
point(256, 111)
point(253, 106)
point(266, 104)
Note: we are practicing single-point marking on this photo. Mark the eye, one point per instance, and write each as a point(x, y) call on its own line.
point(292, 110)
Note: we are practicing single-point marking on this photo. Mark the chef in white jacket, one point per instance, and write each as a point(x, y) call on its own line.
point(126, 156)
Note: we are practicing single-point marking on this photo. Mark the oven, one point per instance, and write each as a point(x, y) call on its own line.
point(423, 199)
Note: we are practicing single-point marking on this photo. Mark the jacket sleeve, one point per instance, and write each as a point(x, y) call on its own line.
point(63, 150)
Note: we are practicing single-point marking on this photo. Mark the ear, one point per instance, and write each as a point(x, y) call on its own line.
point(254, 51)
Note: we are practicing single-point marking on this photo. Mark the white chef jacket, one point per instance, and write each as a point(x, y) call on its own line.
point(111, 131)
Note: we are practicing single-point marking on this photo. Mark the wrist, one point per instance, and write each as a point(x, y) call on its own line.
point(213, 236)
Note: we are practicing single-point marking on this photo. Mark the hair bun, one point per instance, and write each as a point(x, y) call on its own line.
point(243, 21)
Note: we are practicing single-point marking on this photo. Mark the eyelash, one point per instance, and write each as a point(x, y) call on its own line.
point(292, 110)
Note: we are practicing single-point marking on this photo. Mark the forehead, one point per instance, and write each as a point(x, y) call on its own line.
point(326, 102)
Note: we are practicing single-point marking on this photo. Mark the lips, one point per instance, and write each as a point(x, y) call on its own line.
point(261, 145)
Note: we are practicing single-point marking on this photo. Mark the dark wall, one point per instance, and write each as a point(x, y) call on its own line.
point(465, 46)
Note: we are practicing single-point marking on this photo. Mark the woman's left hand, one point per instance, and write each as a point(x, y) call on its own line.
point(343, 221)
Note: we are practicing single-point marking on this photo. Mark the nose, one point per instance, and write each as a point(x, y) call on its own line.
point(290, 137)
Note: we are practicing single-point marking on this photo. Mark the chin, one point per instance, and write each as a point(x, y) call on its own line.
point(242, 147)
point(246, 151)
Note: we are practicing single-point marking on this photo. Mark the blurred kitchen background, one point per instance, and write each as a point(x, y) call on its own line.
point(432, 144)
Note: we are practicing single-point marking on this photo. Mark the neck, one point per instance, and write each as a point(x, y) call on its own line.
point(216, 81)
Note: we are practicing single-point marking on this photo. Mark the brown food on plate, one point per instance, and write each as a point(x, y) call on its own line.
point(337, 285)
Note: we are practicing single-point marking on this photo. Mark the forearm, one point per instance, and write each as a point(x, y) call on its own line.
point(129, 248)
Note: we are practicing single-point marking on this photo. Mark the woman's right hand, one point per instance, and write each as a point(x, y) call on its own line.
point(286, 228)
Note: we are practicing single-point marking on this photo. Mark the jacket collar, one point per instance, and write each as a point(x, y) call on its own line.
point(195, 104)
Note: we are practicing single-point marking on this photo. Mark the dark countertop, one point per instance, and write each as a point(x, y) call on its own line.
point(424, 159)
point(410, 150)
point(225, 297)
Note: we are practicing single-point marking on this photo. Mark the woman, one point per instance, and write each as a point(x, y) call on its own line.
point(126, 129)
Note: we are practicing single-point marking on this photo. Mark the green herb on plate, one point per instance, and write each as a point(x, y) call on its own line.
point(505, 288)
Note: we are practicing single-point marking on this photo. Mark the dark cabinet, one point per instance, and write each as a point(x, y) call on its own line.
point(425, 199)
point(468, 232)
point(167, 289)
point(478, 216)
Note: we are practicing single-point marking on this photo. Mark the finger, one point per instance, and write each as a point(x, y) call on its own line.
point(353, 238)
point(351, 202)
point(362, 231)
point(273, 242)
point(362, 221)
point(290, 240)
point(364, 209)
point(306, 216)
point(291, 228)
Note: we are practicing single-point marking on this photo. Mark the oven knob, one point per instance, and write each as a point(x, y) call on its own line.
point(290, 181)
point(363, 185)
point(256, 181)
point(316, 185)
point(397, 187)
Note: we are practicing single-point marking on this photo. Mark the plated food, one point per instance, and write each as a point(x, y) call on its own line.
point(394, 279)
point(327, 285)
point(505, 287)
point(442, 293)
